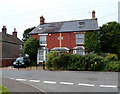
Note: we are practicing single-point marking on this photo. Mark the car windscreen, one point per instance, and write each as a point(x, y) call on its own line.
point(20, 59)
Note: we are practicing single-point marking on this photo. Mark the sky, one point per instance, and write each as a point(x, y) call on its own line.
point(23, 14)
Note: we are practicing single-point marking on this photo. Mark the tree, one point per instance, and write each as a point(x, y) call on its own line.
point(26, 33)
point(31, 47)
point(110, 38)
point(107, 40)
point(92, 43)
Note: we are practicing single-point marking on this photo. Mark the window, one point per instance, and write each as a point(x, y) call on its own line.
point(42, 39)
point(80, 38)
point(81, 24)
point(79, 50)
point(41, 55)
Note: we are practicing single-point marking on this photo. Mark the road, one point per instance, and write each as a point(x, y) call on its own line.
point(20, 87)
point(65, 81)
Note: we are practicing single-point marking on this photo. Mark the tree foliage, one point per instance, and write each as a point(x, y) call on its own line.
point(107, 40)
point(26, 33)
point(31, 47)
point(92, 43)
point(110, 38)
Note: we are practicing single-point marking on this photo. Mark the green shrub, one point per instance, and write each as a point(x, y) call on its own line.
point(111, 57)
point(76, 62)
point(50, 56)
point(93, 63)
point(56, 62)
point(64, 61)
point(113, 66)
point(87, 63)
point(82, 63)
point(112, 62)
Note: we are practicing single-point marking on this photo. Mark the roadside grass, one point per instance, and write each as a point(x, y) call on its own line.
point(3, 90)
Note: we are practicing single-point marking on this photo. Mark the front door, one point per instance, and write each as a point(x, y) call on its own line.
point(41, 56)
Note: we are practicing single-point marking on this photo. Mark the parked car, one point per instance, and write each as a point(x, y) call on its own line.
point(21, 62)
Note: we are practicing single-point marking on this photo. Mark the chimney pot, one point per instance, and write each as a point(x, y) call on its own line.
point(42, 20)
point(93, 15)
point(14, 33)
point(4, 29)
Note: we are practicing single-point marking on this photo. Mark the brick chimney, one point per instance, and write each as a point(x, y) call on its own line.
point(14, 33)
point(42, 20)
point(4, 29)
point(93, 15)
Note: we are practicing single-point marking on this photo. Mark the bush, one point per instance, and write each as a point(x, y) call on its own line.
point(82, 63)
point(76, 62)
point(112, 62)
point(111, 57)
point(50, 57)
point(86, 63)
point(113, 66)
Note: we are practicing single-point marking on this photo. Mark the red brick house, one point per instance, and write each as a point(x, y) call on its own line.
point(10, 47)
point(66, 36)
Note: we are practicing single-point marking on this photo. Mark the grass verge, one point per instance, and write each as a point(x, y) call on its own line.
point(3, 90)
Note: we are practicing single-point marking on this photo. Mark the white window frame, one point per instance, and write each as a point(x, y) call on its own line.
point(82, 51)
point(82, 37)
point(44, 55)
point(41, 56)
point(43, 44)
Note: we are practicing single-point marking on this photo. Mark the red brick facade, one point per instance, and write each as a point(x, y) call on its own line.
point(35, 36)
point(66, 36)
point(68, 40)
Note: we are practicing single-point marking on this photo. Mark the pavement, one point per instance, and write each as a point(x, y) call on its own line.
point(16, 87)
point(28, 68)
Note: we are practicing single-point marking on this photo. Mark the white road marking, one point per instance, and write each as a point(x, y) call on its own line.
point(12, 78)
point(83, 84)
point(37, 81)
point(67, 83)
point(21, 79)
point(35, 87)
point(49, 82)
point(112, 86)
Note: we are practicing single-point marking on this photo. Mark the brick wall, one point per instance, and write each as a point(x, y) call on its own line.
point(35, 36)
point(7, 62)
point(68, 40)
point(52, 40)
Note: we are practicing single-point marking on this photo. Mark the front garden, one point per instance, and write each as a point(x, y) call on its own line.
point(74, 62)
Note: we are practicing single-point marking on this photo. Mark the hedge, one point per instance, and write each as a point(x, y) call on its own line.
point(76, 62)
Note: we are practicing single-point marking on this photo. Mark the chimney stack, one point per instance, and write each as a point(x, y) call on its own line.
point(93, 15)
point(14, 33)
point(4, 29)
point(42, 20)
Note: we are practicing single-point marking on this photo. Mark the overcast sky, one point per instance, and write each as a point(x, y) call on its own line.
point(23, 14)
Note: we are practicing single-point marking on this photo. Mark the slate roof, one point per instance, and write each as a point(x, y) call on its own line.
point(10, 46)
point(10, 38)
point(67, 26)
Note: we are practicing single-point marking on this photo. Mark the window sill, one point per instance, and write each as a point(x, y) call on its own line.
point(43, 44)
point(79, 43)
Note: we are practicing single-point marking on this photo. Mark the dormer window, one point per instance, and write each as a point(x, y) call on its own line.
point(40, 28)
point(81, 24)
